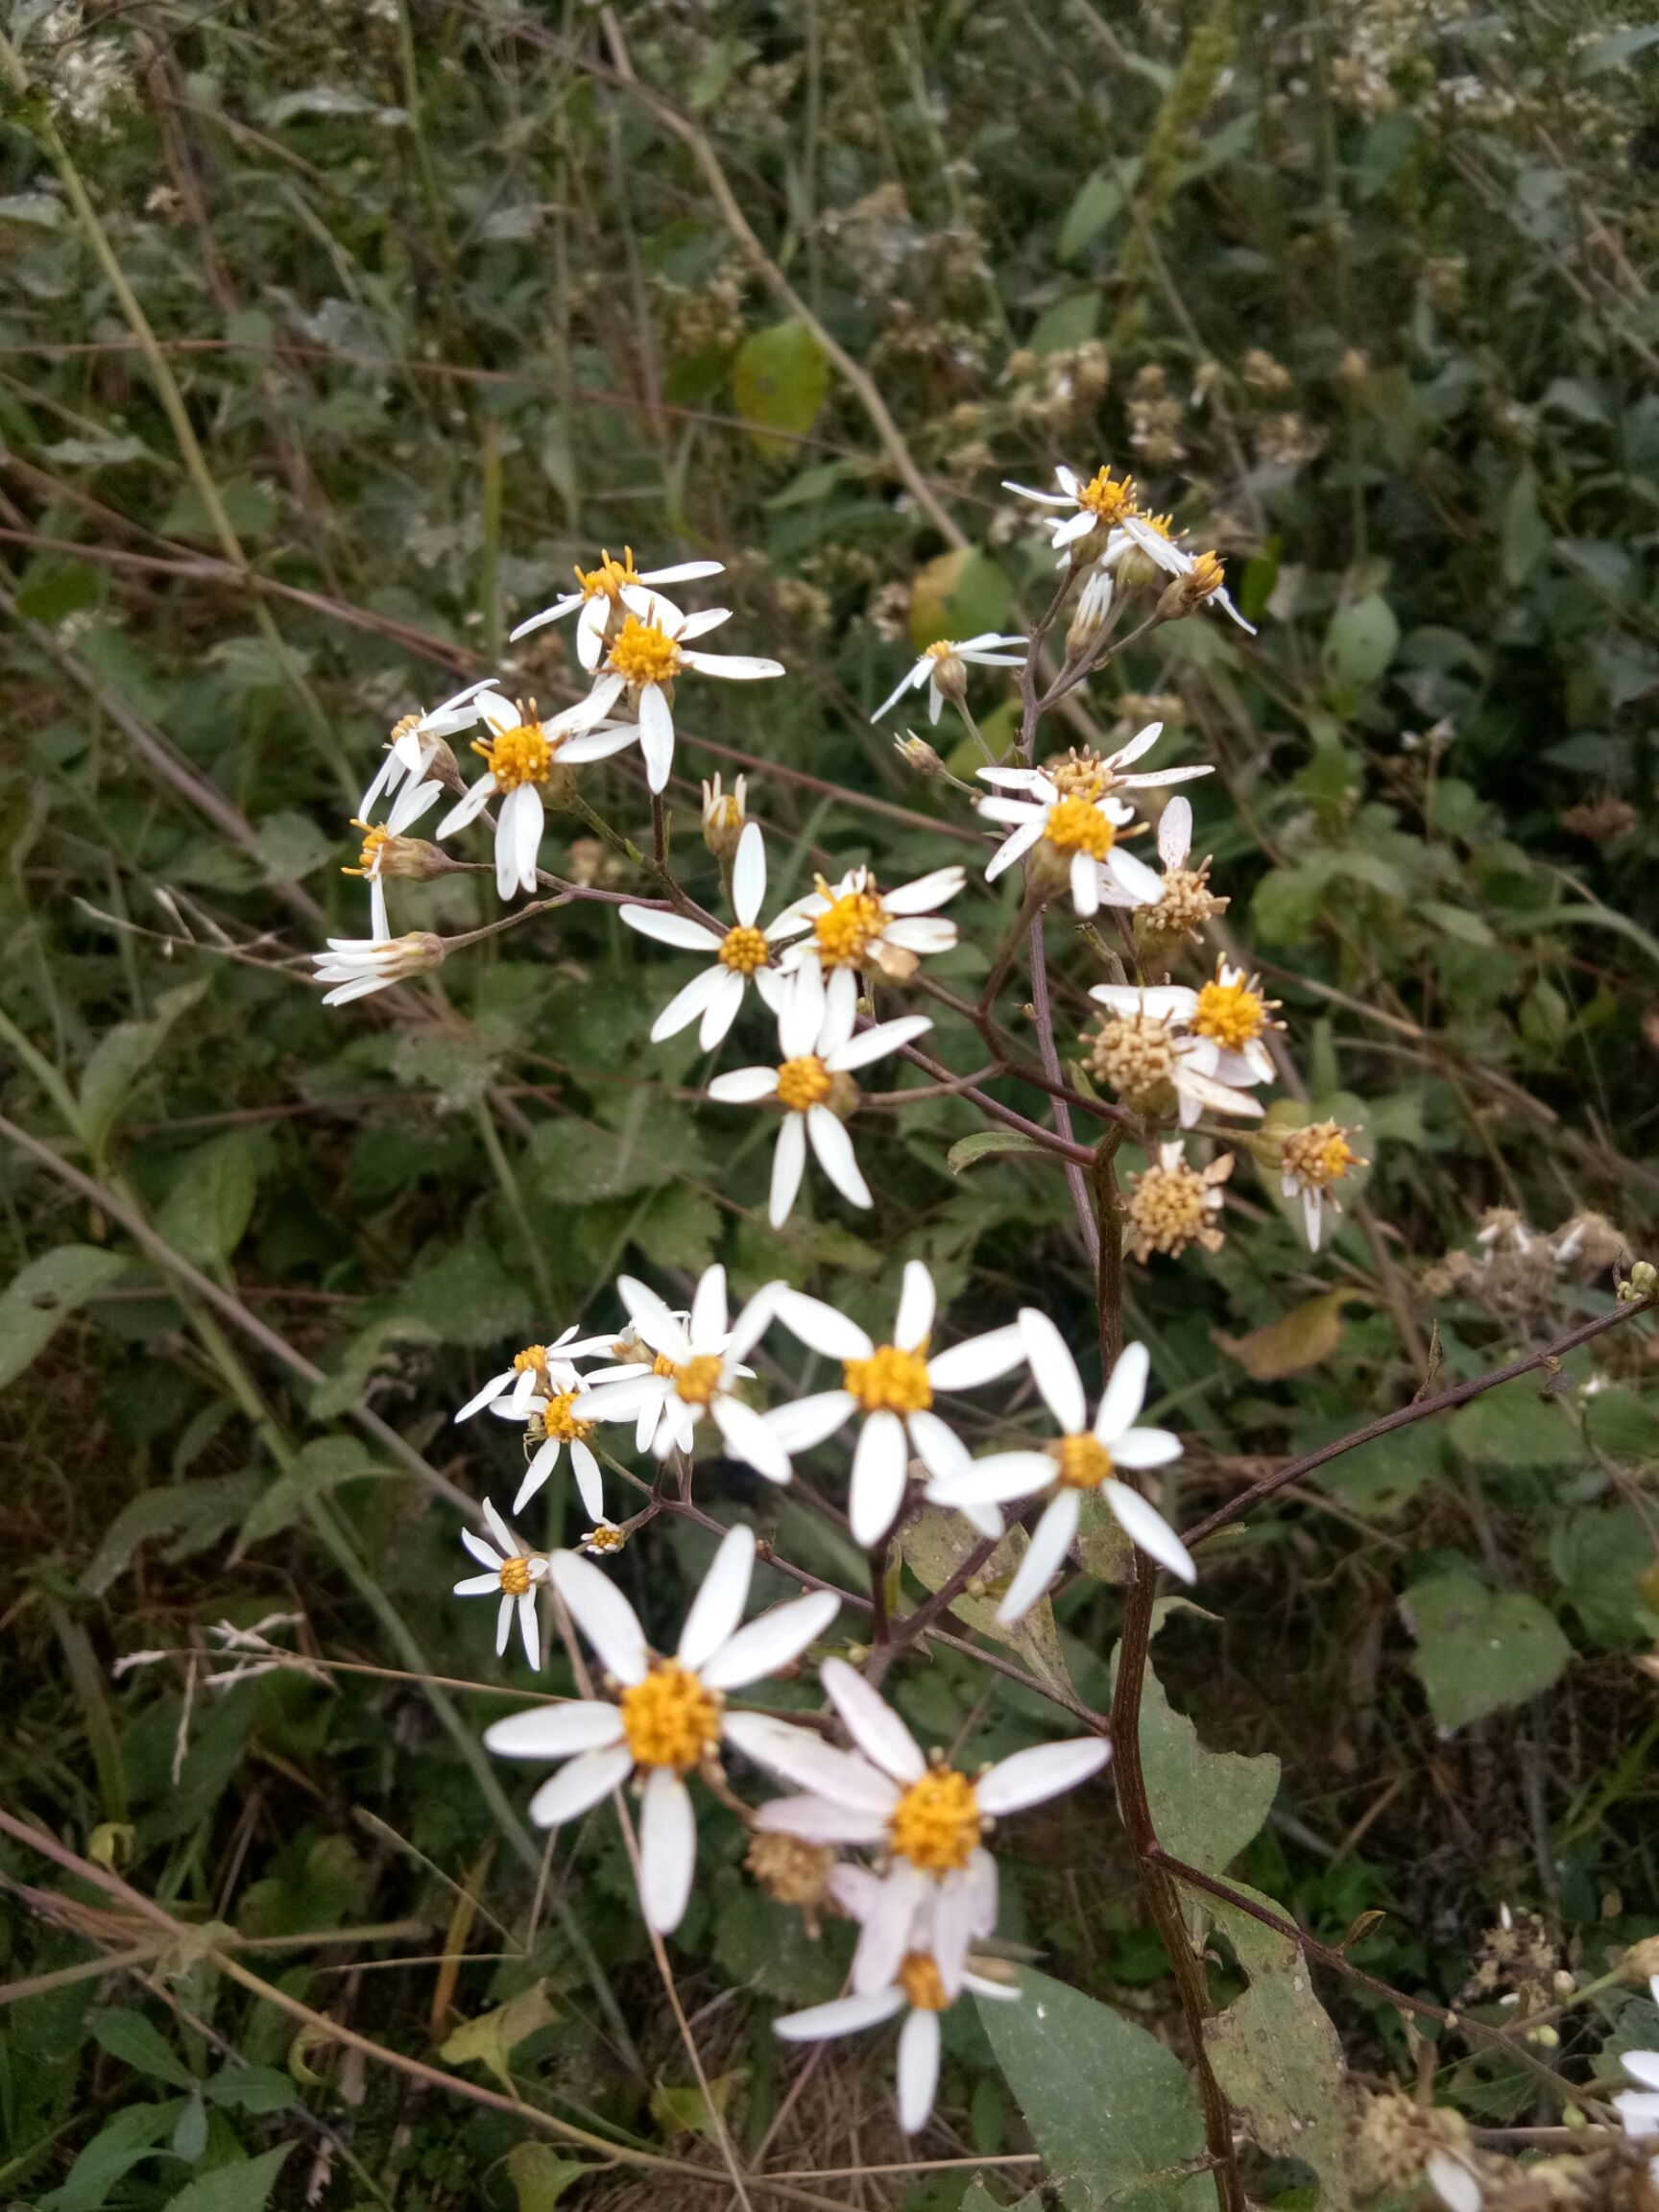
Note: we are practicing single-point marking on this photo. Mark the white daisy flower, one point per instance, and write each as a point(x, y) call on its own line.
point(892, 1386)
point(418, 739)
point(378, 858)
point(644, 657)
point(812, 1082)
point(855, 926)
point(528, 1374)
point(521, 757)
point(917, 1989)
point(1080, 1459)
point(1639, 2108)
point(1079, 837)
point(515, 1574)
point(355, 966)
point(1085, 774)
point(667, 1715)
point(1099, 503)
point(1220, 1051)
point(941, 667)
point(928, 1819)
point(695, 1369)
point(599, 596)
point(1151, 534)
point(1312, 1159)
point(744, 955)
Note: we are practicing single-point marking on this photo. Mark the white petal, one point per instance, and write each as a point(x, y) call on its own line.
point(745, 1087)
point(598, 744)
point(1045, 1554)
point(603, 1615)
point(1054, 1370)
point(667, 1850)
point(724, 1002)
point(924, 934)
point(718, 1605)
point(803, 1014)
point(492, 1389)
point(1014, 847)
point(885, 1936)
point(671, 929)
point(1456, 2186)
point(908, 682)
point(1133, 876)
point(821, 1328)
point(995, 1480)
point(788, 1165)
point(879, 1463)
point(918, 1304)
point(536, 1472)
point(978, 1359)
point(836, 1155)
point(753, 1323)
point(477, 1585)
point(683, 573)
point(876, 1041)
point(926, 892)
point(938, 1447)
point(593, 1776)
point(841, 2016)
point(809, 1420)
point(468, 810)
point(797, 1755)
point(661, 1329)
point(749, 875)
point(1641, 2066)
point(710, 1314)
point(748, 1438)
point(1124, 1394)
point(918, 2069)
point(530, 1629)
point(588, 1487)
point(736, 668)
point(872, 1723)
point(1043, 1771)
point(656, 735)
point(776, 1640)
point(1146, 1448)
point(690, 626)
point(1145, 1526)
point(821, 1820)
point(687, 1004)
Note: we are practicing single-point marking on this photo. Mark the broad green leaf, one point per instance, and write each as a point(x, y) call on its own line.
point(119, 1060)
point(137, 2042)
point(1276, 2055)
point(123, 2142)
point(1517, 1425)
point(469, 1297)
point(1383, 1476)
point(245, 2187)
point(41, 1298)
point(977, 2197)
point(1206, 1805)
point(957, 595)
point(764, 1946)
point(194, 1514)
point(1525, 535)
point(491, 2040)
point(318, 1468)
point(780, 379)
point(934, 1545)
point(1099, 202)
point(457, 1066)
point(250, 2089)
point(991, 1144)
point(541, 2175)
point(1069, 323)
point(190, 2135)
point(38, 211)
point(210, 1202)
point(1112, 2109)
point(1610, 1573)
point(1479, 1650)
point(375, 1350)
point(1622, 1424)
point(683, 2109)
point(1360, 641)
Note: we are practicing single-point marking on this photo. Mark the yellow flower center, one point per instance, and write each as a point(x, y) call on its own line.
point(608, 579)
point(1230, 1013)
point(936, 1823)
point(743, 949)
point(919, 1979)
point(1205, 578)
point(847, 931)
point(557, 1420)
point(1110, 497)
point(532, 1360)
point(942, 649)
point(610, 1538)
point(368, 860)
point(669, 1718)
point(1085, 1462)
point(696, 1379)
point(1081, 774)
point(803, 1083)
point(890, 1380)
point(1319, 1155)
point(1078, 826)
point(515, 1577)
point(644, 653)
point(523, 755)
point(1164, 524)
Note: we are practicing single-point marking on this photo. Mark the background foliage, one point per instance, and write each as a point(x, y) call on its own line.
point(442, 298)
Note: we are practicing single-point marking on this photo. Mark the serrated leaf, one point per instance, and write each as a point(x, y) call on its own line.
point(244, 2187)
point(491, 2040)
point(683, 2109)
point(934, 1542)
point(1478, 1650)
point(780, 379)
point(137, 2042)
point(468, 1296)
point(1110, 2108)
point(991, 1144)
point(1206, 1805)
point(41, 1298)
point(250, 2089)
point(1517, 1425)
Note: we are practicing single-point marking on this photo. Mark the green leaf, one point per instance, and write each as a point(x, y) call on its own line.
point(250, 2089)
point(119, 1060)
point(1099, 201)
point(1206, 1805)
point(195, 1514)
point(41, 1298)
point(251, 509)
point(989, 1145)
point(1524, 538)
point(1276, 2055)
point(1622, 1424)
point(468, 1296)
point(1605, 1563)
point(122, 2143)
point(1517, 1425)
point(779, 378)
point(579, 1162)
point(318, 1468)
point(934, 1545)
point(1360, 641)
point(541, 2176)
point(681, 1228)
point(244, 2187)
point(1069, 323)
point(1479, 1650)
point(764, 1946)
point(139, 2043)
point(1615, 48)
point(957, 595)
point(491, 2040)
point(207, 1211)
point(190, 2135)
point(1110, 2108)
point(37, 210)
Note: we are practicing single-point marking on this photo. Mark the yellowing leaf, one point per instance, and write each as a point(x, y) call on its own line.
point(492, 2037)
point(686, 2110)
point(1303, 1337)
point(934, 1545)
point(957, 595)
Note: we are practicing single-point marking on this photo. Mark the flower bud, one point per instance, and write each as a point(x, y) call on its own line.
point(724, 817)
point(916, 752)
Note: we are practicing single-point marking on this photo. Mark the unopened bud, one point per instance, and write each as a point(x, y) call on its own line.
point(416, 857)
point(1185, 593)
point(916, 752)
point(1089, 616)
point(1642, 1281)
point(725, 817)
